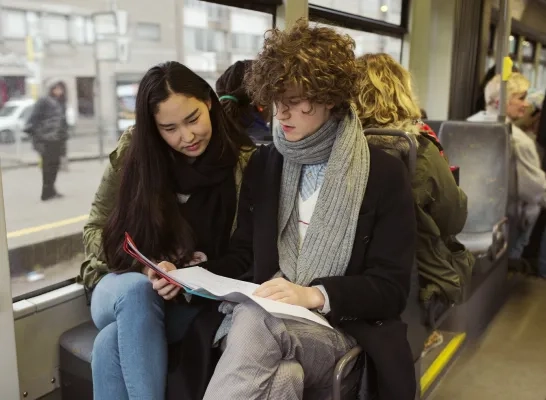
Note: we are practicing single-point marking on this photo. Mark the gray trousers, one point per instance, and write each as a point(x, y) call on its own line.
point(273, 358)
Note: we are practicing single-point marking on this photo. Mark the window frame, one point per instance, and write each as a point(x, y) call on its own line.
point(361, 23)
point(355, 22)
point(265, 6)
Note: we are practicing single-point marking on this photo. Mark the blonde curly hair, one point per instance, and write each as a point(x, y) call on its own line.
point(385, 97)
point(317, 61)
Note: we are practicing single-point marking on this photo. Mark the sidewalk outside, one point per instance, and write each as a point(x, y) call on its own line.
point(78, 148)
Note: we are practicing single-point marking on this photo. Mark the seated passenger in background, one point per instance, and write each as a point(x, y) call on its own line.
point(331, 227)
point(172, 184)
point(237, 103)
point(530, 177)
point(529, 122)
point(481, 102)
point(386, 100)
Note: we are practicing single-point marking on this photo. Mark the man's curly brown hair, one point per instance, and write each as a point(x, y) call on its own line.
point(317, 61)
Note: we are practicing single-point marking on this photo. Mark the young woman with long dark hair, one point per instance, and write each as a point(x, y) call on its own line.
point(172, 184)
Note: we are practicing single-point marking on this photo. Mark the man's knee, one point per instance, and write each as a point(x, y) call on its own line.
point(249, 313)
point(290, 371)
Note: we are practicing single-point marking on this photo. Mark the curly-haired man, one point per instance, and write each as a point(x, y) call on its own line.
point(330, 226)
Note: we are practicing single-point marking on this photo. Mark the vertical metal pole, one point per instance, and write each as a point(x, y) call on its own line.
point(98, 93)
point(503, 46)
point(9, 377)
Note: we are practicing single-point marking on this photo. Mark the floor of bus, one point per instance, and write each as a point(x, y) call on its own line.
point(507, 363)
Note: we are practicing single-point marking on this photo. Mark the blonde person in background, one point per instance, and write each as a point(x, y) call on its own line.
point(531, 179)
point(386, 100)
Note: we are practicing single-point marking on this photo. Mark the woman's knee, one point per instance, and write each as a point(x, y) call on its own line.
point(105, 348)
point(116, 292)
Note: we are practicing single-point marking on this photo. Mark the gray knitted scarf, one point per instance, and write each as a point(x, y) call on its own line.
point(328, 244)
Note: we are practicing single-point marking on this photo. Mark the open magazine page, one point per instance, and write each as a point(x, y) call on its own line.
point(198, 281)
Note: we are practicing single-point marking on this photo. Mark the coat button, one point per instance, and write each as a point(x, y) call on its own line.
point(366, 239)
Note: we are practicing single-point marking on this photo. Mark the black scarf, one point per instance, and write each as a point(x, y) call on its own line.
point(210, 183)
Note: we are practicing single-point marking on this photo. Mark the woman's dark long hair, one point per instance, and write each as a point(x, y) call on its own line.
point(147, 206)
point(230, 83)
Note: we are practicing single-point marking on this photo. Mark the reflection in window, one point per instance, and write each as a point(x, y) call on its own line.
point(55, 27)
point(367, 42)
point(14, 24)
point(384, 10)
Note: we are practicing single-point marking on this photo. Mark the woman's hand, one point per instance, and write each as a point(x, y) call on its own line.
point(197, 258)
point(280, 289)
point(162, 286)
point(165, 289)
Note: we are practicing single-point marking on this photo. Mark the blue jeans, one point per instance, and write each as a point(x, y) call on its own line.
point(129, 358)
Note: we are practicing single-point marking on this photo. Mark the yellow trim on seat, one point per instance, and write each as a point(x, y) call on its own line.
point(441, 361)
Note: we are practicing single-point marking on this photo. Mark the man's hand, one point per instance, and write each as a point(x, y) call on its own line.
point(280, 289)
point(165, 289)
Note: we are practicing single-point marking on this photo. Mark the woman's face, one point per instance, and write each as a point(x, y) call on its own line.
point(58, 91)
point(298, 117)
point(184, 123)
point(517, 105)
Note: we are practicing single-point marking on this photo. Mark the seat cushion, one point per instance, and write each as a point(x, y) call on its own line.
point(79, 340)
point(75, 348)
point(477, 243)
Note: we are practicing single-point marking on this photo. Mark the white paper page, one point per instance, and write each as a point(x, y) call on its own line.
point(197, 277)
point(283, 310)
point(231, 289)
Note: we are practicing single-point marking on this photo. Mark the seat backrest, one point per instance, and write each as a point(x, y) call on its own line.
point(481, 150)
point(434, 124)
point(413, 314)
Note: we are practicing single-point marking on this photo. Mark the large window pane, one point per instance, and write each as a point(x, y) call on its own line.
point(45, 237)
point(384, 10)
point(215, 36)
point(527, 49)
point(367, 42)
point(528, 70)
